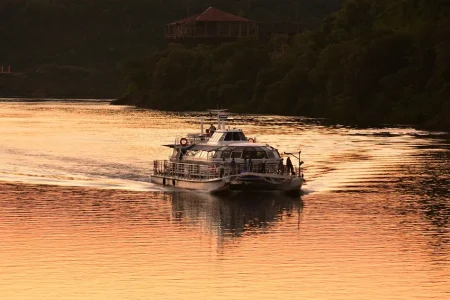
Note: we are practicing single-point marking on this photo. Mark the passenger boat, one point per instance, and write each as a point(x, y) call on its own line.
point(224, 159)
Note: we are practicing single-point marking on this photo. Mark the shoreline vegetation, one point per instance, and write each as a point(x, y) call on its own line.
point(371, 62)
point(75, 49)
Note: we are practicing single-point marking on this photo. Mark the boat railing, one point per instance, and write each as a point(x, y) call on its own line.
point(191, 171)
point(271, 168)
point(188, 171)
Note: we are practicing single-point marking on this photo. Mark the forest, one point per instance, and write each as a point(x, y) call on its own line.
point(371, 62)
point(75, 48)
point(378, 61)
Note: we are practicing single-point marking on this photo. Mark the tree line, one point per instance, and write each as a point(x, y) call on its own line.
point(71, 48)
point(372, 61)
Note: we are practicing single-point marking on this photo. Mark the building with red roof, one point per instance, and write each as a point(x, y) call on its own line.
point(214, 26)
point(211, 26)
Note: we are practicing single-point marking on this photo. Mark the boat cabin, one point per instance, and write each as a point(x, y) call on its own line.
point(237, 151)
point(221, 144)
point(228, 136)
point(246, 150)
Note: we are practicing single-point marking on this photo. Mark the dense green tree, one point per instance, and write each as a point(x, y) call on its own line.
point(373, 61)
point(71, 48)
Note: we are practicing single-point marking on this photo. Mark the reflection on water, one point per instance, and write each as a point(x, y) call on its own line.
point(79, 218)
point(63, 243)
point(234, 215)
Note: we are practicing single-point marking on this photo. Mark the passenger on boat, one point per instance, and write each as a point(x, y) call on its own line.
point(262, 167)
point(222, 168)
point(281, 167)
point(212, 129)
point(181, 153)
point(208, 133)
point(290, 167)
point(233, 166)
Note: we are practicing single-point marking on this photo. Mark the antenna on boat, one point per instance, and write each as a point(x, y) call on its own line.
point(201, 126)
point(221, 117)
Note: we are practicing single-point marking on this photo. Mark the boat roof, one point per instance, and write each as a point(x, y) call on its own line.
point(194, 147)
point(228, 130)
point(243, 144)
point(220, 137)
point(208, 147)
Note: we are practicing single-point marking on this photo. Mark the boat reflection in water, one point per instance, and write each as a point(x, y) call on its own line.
point(235, 215)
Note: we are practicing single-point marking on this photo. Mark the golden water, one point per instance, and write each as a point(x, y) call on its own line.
point(79, 218)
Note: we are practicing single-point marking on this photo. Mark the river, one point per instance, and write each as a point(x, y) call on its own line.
point(79, 218)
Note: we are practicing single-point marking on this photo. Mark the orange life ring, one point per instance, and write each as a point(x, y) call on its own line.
point(183, 142)
point(251, 140)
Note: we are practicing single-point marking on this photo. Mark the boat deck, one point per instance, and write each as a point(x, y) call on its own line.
point(205, 172)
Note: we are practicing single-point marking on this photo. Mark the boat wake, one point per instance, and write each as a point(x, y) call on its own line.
point(47, 169)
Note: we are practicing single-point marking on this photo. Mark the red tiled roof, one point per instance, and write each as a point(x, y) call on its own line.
point(212, 15)
point(188, 20)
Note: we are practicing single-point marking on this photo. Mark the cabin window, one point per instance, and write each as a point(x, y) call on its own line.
point(217, 154)
point(271, 154)
point(236, 154)
point(261, 155)
point(249, 153)
point(236, 136)
point(225, 154)
point(255, 154)
point(211, 154)
point(191, 153)
point(202, 154)
point(229, 136)
point(175, 153)
point(242, 136)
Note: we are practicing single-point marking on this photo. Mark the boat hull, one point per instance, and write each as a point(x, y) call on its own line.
point(210, 185)
point(265, 182)
point(240, 182)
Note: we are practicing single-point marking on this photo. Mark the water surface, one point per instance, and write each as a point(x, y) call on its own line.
point(79, 218)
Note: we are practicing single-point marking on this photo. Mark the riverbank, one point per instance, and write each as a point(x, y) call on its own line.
point(62, 83)
point(139, 101)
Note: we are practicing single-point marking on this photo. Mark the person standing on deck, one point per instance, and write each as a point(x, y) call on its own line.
point(222, 168)
point(233, 166)
point(290, 167)
point(281, 167)
point(263, 166)
point(212, 129)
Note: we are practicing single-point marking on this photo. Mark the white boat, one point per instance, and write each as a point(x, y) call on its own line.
point(224, 159)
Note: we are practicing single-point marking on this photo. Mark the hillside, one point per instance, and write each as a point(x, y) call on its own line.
point(371, 62)
point(74, 48)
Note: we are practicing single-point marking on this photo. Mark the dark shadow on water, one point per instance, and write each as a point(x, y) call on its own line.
point(249, 194)
point(39, 100)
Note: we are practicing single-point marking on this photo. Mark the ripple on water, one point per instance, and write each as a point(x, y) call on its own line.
point(79, 218)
